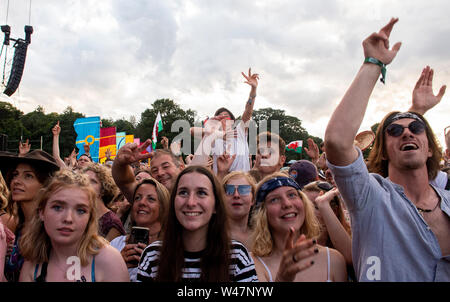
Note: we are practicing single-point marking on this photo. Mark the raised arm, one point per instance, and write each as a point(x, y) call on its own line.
point(348, 115)
point(252, 80)
point(339, 237)
point(122, 171)
point(56, 131)
point(423, 98)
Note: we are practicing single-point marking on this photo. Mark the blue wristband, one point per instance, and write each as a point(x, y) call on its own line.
point(379, 63)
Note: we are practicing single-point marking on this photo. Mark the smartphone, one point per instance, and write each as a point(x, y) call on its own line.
point(139, 234)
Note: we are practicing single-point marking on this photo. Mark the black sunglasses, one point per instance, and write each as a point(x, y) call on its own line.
point(396, 130)
point(242, 189)
point(323, 185)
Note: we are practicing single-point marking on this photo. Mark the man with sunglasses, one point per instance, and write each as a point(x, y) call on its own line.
point(400, 223)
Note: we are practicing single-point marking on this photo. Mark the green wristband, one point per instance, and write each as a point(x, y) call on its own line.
point(379, 63)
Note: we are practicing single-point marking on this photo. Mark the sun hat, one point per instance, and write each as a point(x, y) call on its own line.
point(36, 158)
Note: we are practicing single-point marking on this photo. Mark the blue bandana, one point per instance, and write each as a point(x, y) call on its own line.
point(273, 184)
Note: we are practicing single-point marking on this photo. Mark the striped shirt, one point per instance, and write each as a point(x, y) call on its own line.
point(242, 267)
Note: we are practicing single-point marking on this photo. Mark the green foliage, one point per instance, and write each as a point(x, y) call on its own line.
point(290, 129)
point(170, 112)
point(37, 123)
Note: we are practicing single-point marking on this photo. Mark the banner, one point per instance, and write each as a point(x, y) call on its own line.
point(107, 141)
point(88, 132)
point(295, 146)
point(129, 138)
point(120, 140)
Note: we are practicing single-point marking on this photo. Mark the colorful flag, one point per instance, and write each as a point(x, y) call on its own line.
point(120, 140)
point(295, 146)
point(157, 127)
point(107, 141)
point(137, 140)
point(88, 132)
point(129, 138)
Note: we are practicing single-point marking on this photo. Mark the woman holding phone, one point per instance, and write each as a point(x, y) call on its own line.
point(61, 243)
point(196, 245)
point(149, 207)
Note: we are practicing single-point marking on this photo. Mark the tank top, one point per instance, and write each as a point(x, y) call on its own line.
point(270, 274)
point(43, 274)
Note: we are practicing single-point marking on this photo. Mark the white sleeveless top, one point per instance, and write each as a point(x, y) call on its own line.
point(328, 267)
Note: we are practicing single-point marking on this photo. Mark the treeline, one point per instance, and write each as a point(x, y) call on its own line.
point(36, 124)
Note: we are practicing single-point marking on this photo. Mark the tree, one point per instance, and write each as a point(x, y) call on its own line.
point(170, 112)
point(290, 128)
point(10, 124)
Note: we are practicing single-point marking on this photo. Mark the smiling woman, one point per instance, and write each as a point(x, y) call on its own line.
point(196, 245)
point(284, 238)
point(65, 227)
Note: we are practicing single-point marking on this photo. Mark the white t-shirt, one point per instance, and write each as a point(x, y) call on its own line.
point(238, 146)
point(119, 243)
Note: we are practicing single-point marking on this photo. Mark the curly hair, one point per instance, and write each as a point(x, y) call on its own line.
point(109, 188)
point(35, 244)
point(262, 234)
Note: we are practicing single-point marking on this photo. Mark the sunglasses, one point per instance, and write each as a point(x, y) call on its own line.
point(396, 130)
point(323, 185)
point(242, 189)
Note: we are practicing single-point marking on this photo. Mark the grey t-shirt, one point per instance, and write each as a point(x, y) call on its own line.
point(390, 239)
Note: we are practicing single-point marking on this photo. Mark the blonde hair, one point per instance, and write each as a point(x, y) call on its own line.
point(251, 182)
point(4, 192)
point(109, 188)
point(262, 235)
point(35, 244)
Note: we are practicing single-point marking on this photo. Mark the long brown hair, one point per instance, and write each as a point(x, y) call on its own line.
point(378, 162)
point(216, 256)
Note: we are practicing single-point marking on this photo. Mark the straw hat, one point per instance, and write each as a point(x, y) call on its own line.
point(364, 139)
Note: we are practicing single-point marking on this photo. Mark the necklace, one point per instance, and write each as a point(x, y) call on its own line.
point(421, 211)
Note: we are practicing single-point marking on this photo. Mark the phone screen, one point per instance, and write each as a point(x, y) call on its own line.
point(139, 234)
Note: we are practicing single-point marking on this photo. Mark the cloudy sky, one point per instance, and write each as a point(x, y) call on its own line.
point(113, 58)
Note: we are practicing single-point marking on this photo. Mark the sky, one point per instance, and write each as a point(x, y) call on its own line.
point(114, 58)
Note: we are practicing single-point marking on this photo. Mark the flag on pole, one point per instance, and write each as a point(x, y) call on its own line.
point(157, 127)
point(295, 146)
point(88, 132)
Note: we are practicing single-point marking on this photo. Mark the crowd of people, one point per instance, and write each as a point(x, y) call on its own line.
point(219, 216)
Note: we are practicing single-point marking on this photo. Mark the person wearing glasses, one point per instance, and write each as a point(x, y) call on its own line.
point(400, 223)
point(239, 201)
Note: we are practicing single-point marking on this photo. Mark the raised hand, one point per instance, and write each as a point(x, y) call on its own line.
point(324, 198)
point(224, 162)
point(251, 79)
point(131, 153)
point(175, 147)
point(87, 148)
point(296, 257)
point(377, 44)
point(312, 150)
point(24, 148)
point(165, 143)
point(56, 130)
point(423, 98)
